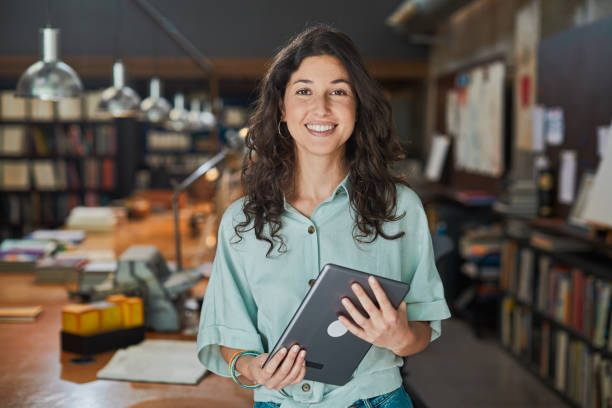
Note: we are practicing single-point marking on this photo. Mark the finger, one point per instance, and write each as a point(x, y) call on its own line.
point(294, 374)
point(365, 300)
point(357, 331)
point(355, 314)
point(283, 371)
point(381, 297)
point(275, 361)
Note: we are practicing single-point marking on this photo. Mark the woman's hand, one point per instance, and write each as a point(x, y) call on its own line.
point(282, 370)
point(386, 326)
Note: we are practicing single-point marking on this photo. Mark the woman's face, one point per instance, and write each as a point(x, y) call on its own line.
point(319, 107)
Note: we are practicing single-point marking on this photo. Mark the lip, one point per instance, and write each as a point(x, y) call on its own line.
point(324, 133)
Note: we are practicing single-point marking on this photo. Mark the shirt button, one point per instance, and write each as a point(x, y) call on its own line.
point(311, 282)
point(311, 230)
point(306, 387)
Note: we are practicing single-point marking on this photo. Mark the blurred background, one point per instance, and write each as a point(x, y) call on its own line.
point(121, 124)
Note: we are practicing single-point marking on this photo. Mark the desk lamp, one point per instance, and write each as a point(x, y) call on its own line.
point(235, 145)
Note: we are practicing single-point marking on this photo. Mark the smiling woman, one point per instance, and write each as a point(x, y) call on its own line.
point(319, 109)
point(319, 189)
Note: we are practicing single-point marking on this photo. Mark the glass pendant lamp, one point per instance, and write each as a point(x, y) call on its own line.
point(155, 108)
point(178, 118)
point(49, 79)
point(119, 100)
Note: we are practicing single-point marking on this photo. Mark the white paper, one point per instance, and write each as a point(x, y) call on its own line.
point(600, 200)
point(452, 113)
point(538, 121)
point(437, 156)
point(554, 126)
point(161, 361)
point(603, 135)
point(567, 182)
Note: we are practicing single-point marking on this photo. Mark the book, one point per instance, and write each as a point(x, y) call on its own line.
point(13, 140)
point(556, 243)
point(41, 110)
point(51, 270)
point(20, 314)
point(11, 107)
point(63, 235)
point(69, 109)
point(15, 175)
point(44, 175)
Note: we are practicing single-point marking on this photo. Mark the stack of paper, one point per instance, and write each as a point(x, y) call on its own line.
point(163, 361)
point(92, 218)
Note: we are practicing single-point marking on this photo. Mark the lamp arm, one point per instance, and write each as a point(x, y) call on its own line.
point(199, 172)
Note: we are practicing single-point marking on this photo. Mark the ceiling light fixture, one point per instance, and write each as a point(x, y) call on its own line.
point(49, 79)
point(119, 100)
point(178, 118)
point(155, 108)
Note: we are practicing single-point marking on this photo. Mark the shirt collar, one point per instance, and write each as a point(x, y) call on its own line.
point(343, 187)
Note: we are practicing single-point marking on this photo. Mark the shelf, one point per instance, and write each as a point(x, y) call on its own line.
point(593, 263)
point(573, 332)
point(27, 156)
point(534, 370)
point(26, 122)
point(65, 190)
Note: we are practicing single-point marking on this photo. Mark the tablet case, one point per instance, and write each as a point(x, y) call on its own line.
point(332, 352)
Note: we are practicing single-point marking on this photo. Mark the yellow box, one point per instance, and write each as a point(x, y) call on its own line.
point(110, 315)
point(116, 298)
point(80, 319)
point(133, 312)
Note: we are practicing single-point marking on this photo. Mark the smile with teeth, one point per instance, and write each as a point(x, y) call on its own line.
point(319, 128)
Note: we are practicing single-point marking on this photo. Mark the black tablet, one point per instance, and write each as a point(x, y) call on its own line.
point(332, 352)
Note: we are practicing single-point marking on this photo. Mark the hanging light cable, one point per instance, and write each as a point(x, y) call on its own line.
point(49, 79)
point(155, 108)
point(178, 118)
point(119, 99)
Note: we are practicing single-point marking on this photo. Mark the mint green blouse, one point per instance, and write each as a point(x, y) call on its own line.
point(250, 298)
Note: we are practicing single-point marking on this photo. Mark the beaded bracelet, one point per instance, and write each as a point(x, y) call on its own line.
point(233, 368)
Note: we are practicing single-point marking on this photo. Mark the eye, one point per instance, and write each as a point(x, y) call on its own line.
point(339, 92)
point(303, 91)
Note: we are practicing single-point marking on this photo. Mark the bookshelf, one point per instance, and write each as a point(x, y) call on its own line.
point(55, 156)
point(555, 314)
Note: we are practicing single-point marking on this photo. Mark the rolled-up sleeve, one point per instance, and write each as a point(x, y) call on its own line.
point(229, 312)
point(425, 299)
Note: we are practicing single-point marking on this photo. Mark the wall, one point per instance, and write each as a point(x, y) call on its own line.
point(228, 28)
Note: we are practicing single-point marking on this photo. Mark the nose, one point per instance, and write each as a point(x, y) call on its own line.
point(321, 104)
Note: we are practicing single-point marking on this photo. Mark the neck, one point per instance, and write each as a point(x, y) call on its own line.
point(316, 177)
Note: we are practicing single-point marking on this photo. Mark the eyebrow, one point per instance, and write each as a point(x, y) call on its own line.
point(308, 81)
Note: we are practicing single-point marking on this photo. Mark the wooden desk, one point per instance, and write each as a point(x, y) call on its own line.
point(34, 372)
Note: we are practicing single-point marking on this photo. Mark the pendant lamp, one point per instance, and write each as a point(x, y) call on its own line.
point(178, 118)
point(155, 108)
point(208, 118)
point(119, 100)
point(194, 117)
point(49, 79)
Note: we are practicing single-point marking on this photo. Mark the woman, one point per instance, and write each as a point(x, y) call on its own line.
point(319, 189)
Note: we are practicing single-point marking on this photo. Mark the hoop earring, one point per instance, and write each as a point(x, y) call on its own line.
point(280, 133)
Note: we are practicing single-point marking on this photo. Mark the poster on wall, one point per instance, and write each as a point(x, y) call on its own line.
point(480, 147)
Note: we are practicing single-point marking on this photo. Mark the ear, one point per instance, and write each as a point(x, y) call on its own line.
point(281, 106)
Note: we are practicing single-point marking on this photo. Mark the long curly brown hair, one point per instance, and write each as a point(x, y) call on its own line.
point(269, 166)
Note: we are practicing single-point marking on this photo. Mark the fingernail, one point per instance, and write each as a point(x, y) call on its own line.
point(344, 301)
point(354, 286)
point(295, 349)
point(283, 350)
point(372, 278)
point(303, 353)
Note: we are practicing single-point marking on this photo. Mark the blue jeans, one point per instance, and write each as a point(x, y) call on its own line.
point(394, 399)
